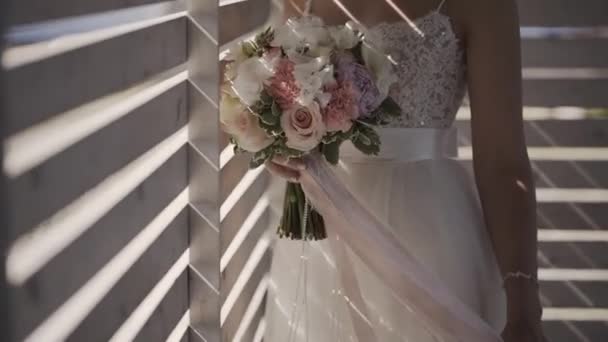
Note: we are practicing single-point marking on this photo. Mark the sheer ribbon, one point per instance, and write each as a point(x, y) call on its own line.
point(350, 224)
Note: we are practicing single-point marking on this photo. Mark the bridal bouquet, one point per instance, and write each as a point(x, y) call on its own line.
point(305, 88)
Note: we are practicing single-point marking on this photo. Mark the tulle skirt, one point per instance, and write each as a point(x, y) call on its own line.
point(435, 280)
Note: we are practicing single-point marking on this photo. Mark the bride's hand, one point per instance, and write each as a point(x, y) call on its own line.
point(288, 168)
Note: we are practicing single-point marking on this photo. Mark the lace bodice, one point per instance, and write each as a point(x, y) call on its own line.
point(430, 65)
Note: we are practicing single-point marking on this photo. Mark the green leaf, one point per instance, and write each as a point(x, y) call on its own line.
point(275, 109)
point(356, 51)
point(262, 156)
point(264, 38)
point(366, 139)
point(373, 120)
point(237, 149)
point(269, 118)
point(390, 107)
point(266, 98)
point(249, 48)
point(332, 152)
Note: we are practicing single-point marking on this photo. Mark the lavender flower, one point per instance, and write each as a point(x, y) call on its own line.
point(348, 70)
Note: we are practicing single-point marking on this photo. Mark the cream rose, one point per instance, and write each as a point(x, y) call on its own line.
point(241, 124)
point(303, 127)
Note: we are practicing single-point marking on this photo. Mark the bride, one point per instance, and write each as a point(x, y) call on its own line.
point(413, 207)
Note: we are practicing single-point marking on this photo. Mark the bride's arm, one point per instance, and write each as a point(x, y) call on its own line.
point(502, 168)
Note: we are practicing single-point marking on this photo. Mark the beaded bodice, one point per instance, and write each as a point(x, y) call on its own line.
point(430, 66)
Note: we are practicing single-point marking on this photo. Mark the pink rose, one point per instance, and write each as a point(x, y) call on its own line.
point(303, 127)
point(242, 125)
point(343, 107)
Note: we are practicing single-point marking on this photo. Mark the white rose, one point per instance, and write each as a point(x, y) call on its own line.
point(380, 66)
point(311, 77)
point(242, 125)
point(307, 31)
point(344, 37)
point(251, 75)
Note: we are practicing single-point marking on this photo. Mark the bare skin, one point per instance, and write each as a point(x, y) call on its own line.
point(489, 30)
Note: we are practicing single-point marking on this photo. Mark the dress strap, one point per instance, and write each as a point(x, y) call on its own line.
point(438, 7)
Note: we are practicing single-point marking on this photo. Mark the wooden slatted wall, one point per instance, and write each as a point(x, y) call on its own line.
point(109, 120)
point(245, 213)
point(565, 57)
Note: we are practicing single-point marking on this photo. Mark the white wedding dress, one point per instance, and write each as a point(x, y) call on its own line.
point(408, 258)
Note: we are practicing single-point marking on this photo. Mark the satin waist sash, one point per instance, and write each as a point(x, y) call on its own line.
point(407, 145)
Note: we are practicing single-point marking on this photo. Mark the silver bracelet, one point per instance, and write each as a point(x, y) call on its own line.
point(519, 274)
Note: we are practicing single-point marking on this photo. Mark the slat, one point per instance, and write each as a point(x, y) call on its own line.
point(202, 64)
point(204, 127)
point(136, 284)
point(253, 314)
point(577, 93)
point(241, 17)
point(181, 330)
point(6, 307)
point(205, 185)
point(30, 11)
point(575, 293)
point(167, 314)
point(44, 190)
point(582, 216)
point(77, 77)
point(204, 14)
point(237, 262)
point(62, 276)
point(581, 255)
point(563, 12)
point(234, 220)
point(571, 174)
point(233, 320)
point(558, 53)
point(232, 174)
point(566, 174)
point(204, 249)
point(560, 331)
point(572, 133)
point(205, 313)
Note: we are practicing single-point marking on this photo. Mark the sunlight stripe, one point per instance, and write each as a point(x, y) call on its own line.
point(132, 326)
point(539, 113)
point(251, 310)
point(249, 223)
point(586, 195)
point(572, 274)
point(36, 144)
point(252, 262)
point(260, 331)
point(43, 40)
point(559, 235)
point(239, 190)
point(553, 153)
point(575, 314)
point(61, 323)
point(226, 155)
point(181, 328)
point(564, 73)
point(30, 252)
